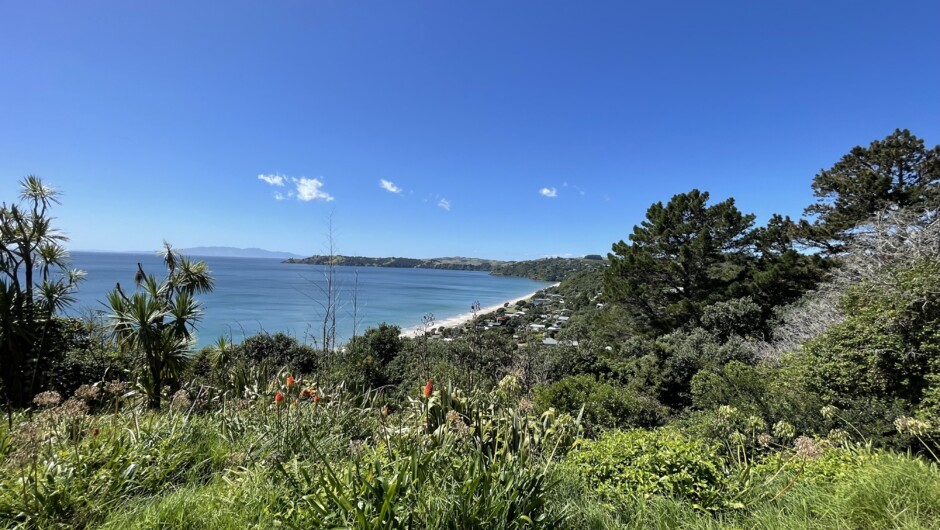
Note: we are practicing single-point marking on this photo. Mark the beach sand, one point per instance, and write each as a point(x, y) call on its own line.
point(460, 320)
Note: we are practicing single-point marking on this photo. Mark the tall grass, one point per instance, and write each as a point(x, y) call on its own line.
point(445, 461)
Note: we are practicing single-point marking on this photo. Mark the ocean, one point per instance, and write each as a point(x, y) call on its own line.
point(264, 295)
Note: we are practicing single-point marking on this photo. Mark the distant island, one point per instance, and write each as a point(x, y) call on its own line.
point(234, 252)
point(545, 269)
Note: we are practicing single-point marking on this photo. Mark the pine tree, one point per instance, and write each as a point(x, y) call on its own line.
point(895, 173)
point(684, 256)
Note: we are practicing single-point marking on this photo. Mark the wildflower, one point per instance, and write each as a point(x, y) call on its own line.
point(95, 432)
point(763, 439)
point(386, 411)
point(86, 392)
point(316, 398)
point(457, 423)
point(117, 388)
point(307, 393)
point(290, 382)
point(737, 438)
point(278, 398)
point(180, 400)
point(807, 447)
point(838, 437)
point(784, 429)
point(828, 412)
point(756, 423)
point(72, 409)
point(906, 424)
point(428, 389)
point(525, 405)
point(49, 398)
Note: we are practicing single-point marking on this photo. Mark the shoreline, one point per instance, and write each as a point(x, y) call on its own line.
point(461, 319)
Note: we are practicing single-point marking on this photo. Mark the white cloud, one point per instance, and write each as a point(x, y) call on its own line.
point(309, 190)
point(549, 192)
point(274, 180)
point(389, 186)
point(304, 189)
point(444, 203)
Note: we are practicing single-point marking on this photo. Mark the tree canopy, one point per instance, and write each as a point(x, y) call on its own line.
point(895, 173)
point(684, 256)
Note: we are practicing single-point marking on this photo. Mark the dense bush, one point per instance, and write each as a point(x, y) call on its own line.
point(279, 350)
point(605, 405)
point(639, 464)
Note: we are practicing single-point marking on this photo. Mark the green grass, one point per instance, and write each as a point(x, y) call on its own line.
point(452, 461)
point(886, 491)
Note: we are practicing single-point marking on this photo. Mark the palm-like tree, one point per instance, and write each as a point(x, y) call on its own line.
point(158, 321)
point(35, 283)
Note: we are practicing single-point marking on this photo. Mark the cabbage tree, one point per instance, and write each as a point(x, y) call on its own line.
point(158, 321)
point(35, 285)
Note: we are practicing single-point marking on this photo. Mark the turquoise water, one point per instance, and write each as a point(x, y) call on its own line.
point(255, 295)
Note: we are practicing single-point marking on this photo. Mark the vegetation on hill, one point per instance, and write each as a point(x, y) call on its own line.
point(463, 264)
point(715, 375)
point(547, 269)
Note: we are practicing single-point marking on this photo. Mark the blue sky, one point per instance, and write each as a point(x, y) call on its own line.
point(156, 119)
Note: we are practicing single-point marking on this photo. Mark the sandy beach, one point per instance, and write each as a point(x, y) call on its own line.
point(459, 320)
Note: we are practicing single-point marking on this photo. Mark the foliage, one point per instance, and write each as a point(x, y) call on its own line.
point(549, 269)
point(624, 465)
point(889, 344)
point(600, 404)
point(278, 350)
point(684, 256)
point(881, 492)
point(35, 285)
point(898, 172)
point(158, 321)
point(771, 393)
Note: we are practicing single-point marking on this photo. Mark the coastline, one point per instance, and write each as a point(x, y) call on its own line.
point(459, 320)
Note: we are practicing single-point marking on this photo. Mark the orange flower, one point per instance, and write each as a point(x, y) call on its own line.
point(386, 411)
point(316, 398)
point(278, 398)
point(428, 389)
point(290, 381)
point(306, 393)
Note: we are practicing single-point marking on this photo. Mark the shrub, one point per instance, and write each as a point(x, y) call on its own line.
point(605, 404)
point(623, 465)
point(279, 349)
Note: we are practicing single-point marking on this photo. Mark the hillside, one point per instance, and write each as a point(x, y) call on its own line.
point(234, 252)
point(451, 263)
point(547, 269)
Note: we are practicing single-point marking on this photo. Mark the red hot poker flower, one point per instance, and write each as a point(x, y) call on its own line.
point(316, 398)
point(428, 389)
point(278, 398)
point(290, 381)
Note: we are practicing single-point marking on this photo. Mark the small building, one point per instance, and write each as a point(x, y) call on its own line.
point(549, 342)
